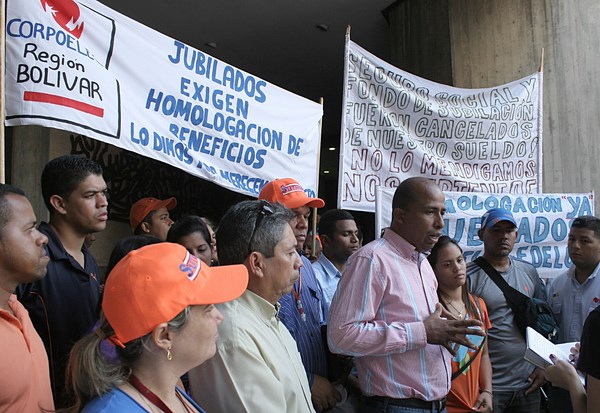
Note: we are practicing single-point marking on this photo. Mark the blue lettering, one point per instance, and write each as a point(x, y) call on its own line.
point(557, 263)
point(506, 203)
point(524, 231)
point(541, 229)
point(463, 203)
point(546, 256)
point(560, 229)
point(450, 209)
point(519, 205)
point(183, 88)
point(491, 202)
point(458, 229)
point(574, 206)
point(473, 227)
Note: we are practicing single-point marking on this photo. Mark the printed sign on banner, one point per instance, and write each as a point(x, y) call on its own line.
point(82, 67)
point(396, 125)
point(544, 221)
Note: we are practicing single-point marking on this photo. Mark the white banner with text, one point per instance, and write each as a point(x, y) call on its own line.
point(543, 223)
point(396, 125)
point(84, 68)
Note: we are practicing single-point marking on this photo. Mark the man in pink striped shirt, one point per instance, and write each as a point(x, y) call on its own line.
point(386, 311)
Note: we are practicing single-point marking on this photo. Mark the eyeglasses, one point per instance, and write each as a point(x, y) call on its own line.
point(266, 208)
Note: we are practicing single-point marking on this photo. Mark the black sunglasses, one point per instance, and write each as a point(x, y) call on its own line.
point(266, 208)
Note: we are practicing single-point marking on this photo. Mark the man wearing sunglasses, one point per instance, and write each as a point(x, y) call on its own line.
point(257, 367)
point(302, 308)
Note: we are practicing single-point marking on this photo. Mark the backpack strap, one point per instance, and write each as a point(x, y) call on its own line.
point(512, 295)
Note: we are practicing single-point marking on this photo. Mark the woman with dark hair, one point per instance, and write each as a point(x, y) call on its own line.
point(213, 239)
point(471, 387)
point(159, 313)
point(125, 246)
point(193, 233)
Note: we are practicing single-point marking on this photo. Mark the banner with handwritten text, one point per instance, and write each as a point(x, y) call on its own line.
point(82, 67)
point(543, 223)
point(396, 125)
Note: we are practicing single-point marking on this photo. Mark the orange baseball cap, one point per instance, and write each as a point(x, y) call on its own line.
point(289, 193)
point(153, 284)
point(144, 206)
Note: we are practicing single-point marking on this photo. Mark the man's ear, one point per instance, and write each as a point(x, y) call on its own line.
point(480, 233)
point(256, 264)
point(325, 241)
point(145, 227)
point(398, 215)
point(58, 204)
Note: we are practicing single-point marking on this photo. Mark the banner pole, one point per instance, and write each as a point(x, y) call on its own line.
point(314, 210)
point(2, 91)
point(542, 61)
point(343, 120)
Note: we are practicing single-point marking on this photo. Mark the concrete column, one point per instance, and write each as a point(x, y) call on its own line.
point(497, 41)
point(420, 38)
point(28, 156)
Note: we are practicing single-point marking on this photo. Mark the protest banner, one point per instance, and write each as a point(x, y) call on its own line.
point(396, 125)
point(82, 67)
point(543, 223)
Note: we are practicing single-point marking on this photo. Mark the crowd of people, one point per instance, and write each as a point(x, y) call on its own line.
point(256, 314)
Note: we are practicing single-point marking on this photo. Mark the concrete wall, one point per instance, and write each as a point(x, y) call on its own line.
point(496, 41)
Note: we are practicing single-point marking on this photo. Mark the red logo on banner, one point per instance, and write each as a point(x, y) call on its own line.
point(67, 15)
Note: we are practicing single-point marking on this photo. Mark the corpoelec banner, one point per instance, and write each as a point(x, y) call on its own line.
point(396, 125)
point(82, 67)
point(543, 223)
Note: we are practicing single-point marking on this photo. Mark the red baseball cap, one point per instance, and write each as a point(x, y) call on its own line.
point(289, 193)
point(153, 284)
point(144, 206)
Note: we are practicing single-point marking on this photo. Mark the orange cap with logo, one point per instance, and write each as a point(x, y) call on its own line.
point(144, 206)
point(289, 193)
point(153, 284)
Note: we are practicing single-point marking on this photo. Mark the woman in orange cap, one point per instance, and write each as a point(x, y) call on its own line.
point(159, 312)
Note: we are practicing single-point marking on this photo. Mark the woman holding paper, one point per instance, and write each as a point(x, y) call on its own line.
point(471, 387)
point(563, 374)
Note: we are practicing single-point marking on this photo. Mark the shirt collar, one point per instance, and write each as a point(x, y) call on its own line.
point(571, 272)
point(258, 305)
point(330, 270)
point(404, 248)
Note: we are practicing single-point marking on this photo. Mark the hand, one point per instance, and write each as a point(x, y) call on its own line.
point(561, 374)
point(445, 332)
point(484, 403)
point(536, 379)
point(574, 356)
point(324, 395)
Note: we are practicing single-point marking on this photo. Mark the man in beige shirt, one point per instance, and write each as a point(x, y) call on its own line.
point(257, 367)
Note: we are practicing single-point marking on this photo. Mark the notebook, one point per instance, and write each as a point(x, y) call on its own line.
point(539, 349)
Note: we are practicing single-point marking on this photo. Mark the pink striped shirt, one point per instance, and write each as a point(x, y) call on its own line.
point(377, 314)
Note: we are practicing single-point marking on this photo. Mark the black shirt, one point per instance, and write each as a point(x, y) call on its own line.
point(589, 355)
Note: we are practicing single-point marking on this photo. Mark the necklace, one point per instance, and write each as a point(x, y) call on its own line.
point(460, 312)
